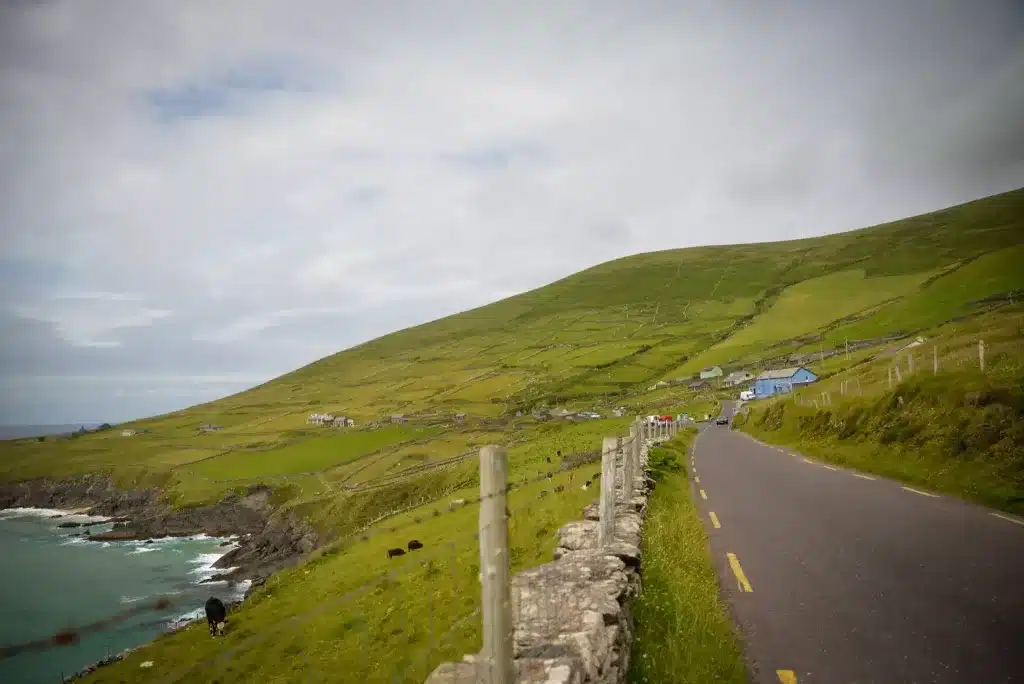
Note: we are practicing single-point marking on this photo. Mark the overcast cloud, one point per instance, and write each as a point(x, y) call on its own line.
point(197, 196)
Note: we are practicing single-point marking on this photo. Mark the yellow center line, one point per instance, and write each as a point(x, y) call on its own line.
point(831, 467)
point(1001, 516)
point(917, 491)
point(863, 477)
point(703, 495)
point(786, 676)
point(714, 520)
point(741, 578)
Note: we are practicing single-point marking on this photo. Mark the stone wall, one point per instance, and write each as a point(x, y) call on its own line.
point(571, 617)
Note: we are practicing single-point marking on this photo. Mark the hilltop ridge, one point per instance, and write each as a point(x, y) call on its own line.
point(595, 339)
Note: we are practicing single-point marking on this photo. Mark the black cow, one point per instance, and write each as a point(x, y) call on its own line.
point(415, 544)
point(596, 476)
point(559, 489)
point(216, 615)
point(395, 552)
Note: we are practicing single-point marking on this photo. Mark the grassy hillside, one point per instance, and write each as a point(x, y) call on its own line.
point(595, 340)
point(941, 422)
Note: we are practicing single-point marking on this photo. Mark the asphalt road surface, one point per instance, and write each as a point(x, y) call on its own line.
point(836, 577)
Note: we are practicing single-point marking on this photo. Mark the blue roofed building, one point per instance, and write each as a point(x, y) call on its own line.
point(781, 381)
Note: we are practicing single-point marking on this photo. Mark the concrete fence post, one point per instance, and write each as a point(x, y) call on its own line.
point(981, 355)
point(935, 360)
point(606, 528)
point(628, 464)
point(890, 377)
point(495, 575)
point(896, 367)
point(910, 363)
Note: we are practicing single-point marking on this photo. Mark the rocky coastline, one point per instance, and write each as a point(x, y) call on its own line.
point(265, 541)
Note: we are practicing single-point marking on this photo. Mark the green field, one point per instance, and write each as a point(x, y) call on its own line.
point(595, 340)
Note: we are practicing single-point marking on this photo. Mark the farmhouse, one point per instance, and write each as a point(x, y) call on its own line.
point(341, 421)
point(460, 417)
point(711, 373)
point(209, 427)
point(738, 377)
point(399, 418)
point(700, 385)
point(782, 381)
point(320, 419)
point(129, 433)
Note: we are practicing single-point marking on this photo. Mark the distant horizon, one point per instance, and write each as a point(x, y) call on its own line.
point(63, 424)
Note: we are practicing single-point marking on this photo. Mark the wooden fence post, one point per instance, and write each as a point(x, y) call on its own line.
point(910, 363)
point(628, 463)
point(890, 377)
point(981, 354)
point(495, 576)
point(899, 378)
point(935, 360)
point(606, 528)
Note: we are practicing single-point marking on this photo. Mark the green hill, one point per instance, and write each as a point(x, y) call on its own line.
point(596, 339)
point(602, 338)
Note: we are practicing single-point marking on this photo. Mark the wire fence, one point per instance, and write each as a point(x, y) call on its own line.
point(442, 591)
point(884, 372)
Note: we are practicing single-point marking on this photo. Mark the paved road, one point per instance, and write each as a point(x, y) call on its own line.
point(836, 578)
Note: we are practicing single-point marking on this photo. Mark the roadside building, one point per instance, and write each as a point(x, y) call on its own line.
point(782, 381)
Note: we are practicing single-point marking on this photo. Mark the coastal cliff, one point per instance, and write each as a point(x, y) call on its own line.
point(266, 541)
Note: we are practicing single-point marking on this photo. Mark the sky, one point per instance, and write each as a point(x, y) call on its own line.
point(196, 197)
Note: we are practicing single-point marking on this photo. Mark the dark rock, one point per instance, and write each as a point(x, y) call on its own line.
point(114, 535)
point(70, 524)
point(265, 543)
point(149, 541)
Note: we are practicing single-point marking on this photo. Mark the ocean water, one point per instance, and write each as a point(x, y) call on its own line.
point(51, 580)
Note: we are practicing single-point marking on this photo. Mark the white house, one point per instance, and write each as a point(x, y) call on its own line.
point(738, 377)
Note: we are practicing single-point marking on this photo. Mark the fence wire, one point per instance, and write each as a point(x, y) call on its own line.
point(444, 635)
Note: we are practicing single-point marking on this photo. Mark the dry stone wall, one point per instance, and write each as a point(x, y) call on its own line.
point(571, 617)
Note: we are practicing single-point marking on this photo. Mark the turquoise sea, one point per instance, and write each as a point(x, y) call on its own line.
point(51, 579)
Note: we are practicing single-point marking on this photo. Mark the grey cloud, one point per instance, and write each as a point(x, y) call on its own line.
point(284, 180)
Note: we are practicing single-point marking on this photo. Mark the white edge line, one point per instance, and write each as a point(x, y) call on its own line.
point(1016, 521)
point(863, 477)
point(918, 491)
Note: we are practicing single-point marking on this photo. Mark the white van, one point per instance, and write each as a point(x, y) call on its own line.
point(746, 395)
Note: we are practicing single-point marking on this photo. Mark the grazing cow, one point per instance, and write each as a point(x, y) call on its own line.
point(216, 615)
point(455, 503)
point(415, 544)
point(395, 552)
point(548, 476)
point(543, 493)
point(585, 485)
point(559, 489)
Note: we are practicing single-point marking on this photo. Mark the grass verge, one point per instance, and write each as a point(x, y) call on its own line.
point(683, 630)
point(961, 433)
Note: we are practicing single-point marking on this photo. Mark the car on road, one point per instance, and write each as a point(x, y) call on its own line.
point(722, 420)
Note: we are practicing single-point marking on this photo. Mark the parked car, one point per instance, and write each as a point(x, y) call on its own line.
point(722, 420)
